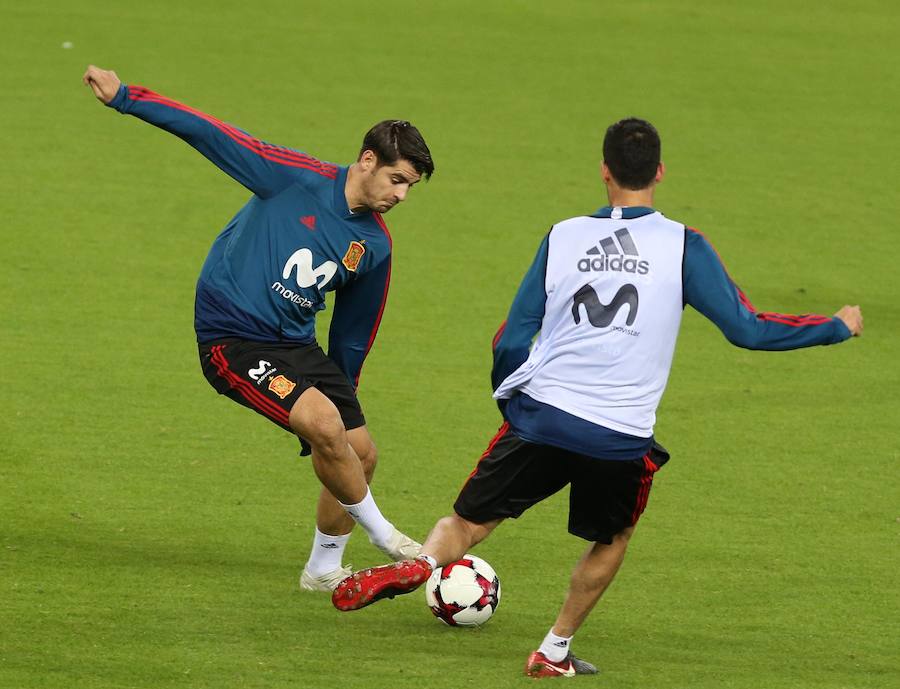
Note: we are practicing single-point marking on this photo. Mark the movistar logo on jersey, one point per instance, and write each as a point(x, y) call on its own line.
point(301, 261)
point(292, 296)
point(300, 265)
point(610, 255)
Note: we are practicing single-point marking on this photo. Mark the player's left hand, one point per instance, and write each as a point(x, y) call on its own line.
point(104, 82)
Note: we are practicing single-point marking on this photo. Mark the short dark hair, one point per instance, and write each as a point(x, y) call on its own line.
point(631, 150)
point(391, 140)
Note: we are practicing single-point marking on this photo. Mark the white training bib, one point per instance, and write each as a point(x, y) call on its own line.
point(613, 309)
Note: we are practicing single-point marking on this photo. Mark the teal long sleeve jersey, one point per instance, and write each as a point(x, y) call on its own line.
point(268, 271)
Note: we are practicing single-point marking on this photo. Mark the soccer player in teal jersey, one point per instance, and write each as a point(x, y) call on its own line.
point(310, 228)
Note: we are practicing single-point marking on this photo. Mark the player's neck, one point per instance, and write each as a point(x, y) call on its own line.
point(630, 197)
point(353, 190)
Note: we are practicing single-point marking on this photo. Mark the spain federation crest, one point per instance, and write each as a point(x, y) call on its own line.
point(281, 386)
point(354, 255)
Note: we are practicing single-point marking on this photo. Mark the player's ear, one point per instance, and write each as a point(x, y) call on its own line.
point(660, 172)
point(368, 161)
point(605, 173)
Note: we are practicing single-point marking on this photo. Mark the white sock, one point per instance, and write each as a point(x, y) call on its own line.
point(369, 517)
point(326, 554)
point(555, 648)
point(430, 560)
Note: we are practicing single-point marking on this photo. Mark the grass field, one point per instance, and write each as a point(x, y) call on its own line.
point(151, 534)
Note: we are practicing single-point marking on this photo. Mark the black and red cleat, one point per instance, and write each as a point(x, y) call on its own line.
point(539, 665)
point(370, 585)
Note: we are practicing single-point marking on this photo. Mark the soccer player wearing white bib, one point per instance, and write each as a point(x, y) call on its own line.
point(604, 298)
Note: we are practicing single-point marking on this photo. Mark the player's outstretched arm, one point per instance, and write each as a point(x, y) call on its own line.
point(710, 290)
point(263, 168)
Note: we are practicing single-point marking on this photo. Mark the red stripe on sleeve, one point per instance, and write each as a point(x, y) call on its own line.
point(277, 154)
point(146, 95)
point(387, 284)
point(380, 220)
point(499, 334)
point(806, 319)
point(794, 321)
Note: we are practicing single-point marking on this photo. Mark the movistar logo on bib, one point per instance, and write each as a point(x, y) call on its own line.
point(610, 255)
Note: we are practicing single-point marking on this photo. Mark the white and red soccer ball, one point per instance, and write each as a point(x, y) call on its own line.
point(464, 593)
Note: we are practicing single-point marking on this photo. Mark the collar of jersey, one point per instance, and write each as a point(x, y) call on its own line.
point(628, 212)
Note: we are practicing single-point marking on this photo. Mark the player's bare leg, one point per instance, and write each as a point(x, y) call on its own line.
point(448, 541)
point(452, 537)
point(331, 518)
point(324, 569)
point(315, 418)
point(339, 468)
point(591, 577)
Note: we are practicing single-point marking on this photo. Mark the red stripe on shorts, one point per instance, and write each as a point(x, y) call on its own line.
point(253, 396)
point(496, 439)
point(644, 491)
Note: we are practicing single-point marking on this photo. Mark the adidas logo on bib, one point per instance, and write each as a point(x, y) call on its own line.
point(619, 255)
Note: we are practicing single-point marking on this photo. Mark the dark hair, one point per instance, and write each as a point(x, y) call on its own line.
point(631, 150)
point(391, 140)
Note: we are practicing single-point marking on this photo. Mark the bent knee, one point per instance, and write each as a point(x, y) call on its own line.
point(321, 426)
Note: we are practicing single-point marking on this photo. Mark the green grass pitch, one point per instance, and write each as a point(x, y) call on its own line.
point(151, 533)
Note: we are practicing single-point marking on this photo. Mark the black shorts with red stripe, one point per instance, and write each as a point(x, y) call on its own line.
point(606, 496)
point(268, 377)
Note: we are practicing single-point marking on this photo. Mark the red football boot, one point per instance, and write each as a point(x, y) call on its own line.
point(369, 585)
point(539, 665)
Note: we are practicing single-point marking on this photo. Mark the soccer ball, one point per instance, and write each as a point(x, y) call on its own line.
point(464, 593)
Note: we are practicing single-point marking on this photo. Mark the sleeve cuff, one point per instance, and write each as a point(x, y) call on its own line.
point(841, 331)
point(120, 100)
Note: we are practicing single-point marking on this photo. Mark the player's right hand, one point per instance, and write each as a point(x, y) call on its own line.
point(852, 317)
point(104, 82)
